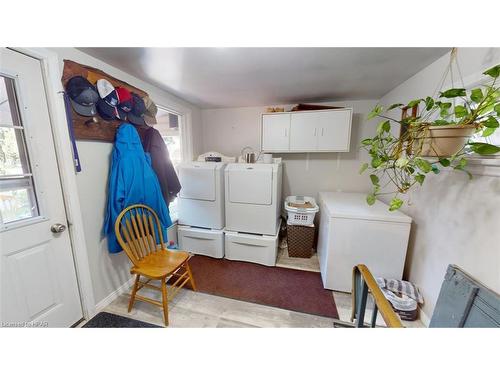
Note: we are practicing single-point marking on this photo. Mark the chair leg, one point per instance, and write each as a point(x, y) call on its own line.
point(164, 300)
point(134, 291)
point(191, 279)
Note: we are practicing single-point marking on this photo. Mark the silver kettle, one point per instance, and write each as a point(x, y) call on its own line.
point(248, 155)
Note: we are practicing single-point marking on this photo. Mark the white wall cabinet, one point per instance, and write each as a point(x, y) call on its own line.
point(304, 131)
point(307, 131)
point(276, 132)
point(334, 131)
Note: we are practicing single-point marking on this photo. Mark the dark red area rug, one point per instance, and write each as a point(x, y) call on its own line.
point(272, 286)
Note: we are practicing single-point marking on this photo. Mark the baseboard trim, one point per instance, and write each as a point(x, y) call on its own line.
point(424, 318)
point(114, 295)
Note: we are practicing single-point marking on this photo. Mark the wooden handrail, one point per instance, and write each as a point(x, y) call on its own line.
point(363, 274)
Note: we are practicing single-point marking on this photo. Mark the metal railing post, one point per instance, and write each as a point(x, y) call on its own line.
point(360, 314)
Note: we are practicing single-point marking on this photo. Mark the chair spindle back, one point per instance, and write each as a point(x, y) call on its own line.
point(139, 232)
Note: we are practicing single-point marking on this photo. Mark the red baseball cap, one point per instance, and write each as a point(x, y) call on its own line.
point(124, 99)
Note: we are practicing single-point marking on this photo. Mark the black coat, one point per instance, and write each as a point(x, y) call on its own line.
point(153, 143)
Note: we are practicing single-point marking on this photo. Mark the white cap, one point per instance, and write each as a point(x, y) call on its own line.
point(104, 88)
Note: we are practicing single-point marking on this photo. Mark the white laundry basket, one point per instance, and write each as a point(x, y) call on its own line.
point(300, 215)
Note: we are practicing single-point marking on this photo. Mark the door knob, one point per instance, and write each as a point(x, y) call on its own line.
point(58, 228)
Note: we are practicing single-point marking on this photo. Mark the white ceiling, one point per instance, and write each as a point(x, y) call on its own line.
point(237, 77)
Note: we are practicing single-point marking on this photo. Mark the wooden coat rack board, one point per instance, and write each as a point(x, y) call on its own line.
point(102, 130)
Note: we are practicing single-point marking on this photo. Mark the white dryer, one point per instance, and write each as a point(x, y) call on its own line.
point(201, 199)
point(253, 197)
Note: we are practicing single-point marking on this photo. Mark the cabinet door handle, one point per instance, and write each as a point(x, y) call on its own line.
point(285, 132)
point(322, 131)
point(315, 131)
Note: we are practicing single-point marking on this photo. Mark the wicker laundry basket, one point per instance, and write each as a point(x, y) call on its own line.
point(300, 240)
point(410, 315)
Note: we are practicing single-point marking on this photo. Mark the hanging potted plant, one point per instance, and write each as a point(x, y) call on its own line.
point(438, 137)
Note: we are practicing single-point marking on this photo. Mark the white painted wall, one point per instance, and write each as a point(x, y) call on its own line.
point(455, 220)
point(228, 130)
point(110, 271)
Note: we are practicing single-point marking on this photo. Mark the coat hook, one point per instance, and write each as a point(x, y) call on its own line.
point(92, 120)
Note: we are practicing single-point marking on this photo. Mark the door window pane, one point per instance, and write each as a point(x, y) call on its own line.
point(12, 152)
point(17, 200)
point(17, 191)
point(5, 115)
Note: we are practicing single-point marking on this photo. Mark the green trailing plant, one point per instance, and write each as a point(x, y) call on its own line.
point(398, 161)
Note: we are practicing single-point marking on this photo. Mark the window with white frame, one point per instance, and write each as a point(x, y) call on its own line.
point(17, 190)
point(169, 125)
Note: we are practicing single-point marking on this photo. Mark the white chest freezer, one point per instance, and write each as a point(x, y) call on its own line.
point(352, 232)
point(253, 197)
point(201, 199)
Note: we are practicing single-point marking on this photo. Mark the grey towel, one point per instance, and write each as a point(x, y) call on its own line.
point(400, 286)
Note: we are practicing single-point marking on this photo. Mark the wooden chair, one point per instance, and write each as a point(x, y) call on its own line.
point(138, 232)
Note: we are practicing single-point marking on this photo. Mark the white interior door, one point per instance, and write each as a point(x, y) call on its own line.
point(38, 277)
point(304, 131)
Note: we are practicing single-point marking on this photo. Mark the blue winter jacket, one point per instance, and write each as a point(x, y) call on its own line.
point(132, 181)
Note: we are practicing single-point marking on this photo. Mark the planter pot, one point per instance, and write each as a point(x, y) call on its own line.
point(443, 141)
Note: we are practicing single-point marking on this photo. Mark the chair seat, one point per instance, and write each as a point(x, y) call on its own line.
point(160, 263)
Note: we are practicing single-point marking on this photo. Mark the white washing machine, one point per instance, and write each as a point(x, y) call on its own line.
point(201, 199)
point(253, 197)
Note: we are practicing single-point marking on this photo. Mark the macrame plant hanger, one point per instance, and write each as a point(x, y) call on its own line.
point(449, 70)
